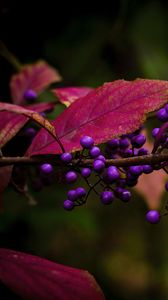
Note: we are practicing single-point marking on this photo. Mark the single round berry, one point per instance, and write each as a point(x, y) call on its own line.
point(66, 157)
point(162, 115)
point(131, 180)
point(102, 157)
point(86, 172)
point(87, 142)
point(107, 197)
point(147, 169)
point(136, 170)
point(124, 143)
point(138, 141)
point(153, 216)
point(30, 132)
point(71, 176)
point(112, 173)
point(72, 195)
point(46, 169)
point(128, 153)
point(68, 204)
point(117, 191)
point(113, 144)
point(155, 132)
point(166, 186)
point(98, 165)
point(94, 151)
point(81, 192)
point(125, 196)
point(30, 95)
point(143, 151)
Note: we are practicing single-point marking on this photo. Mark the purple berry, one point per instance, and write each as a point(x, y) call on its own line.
point(72, 195)
point(87, 142)
point(136, 170)
point(107, 197)
point(124, 143)
point(138, 141)
point(94, 151)
point(118, 190)
point(155, 132)
point(143, 151)
point(30, 132)
point(113, 144)
point(112, 174)
point(81, 192)
point(135, 152)
point(128, 153)
point(101, 157)
point(162, 115)
point(147, 169)
point(153, 216)
point(68, 204)
point(98, 165)
point(30, 96)
point(66, 157)
point(71, 176)
point(125, 196)
point(46, 169)
point(86, 172)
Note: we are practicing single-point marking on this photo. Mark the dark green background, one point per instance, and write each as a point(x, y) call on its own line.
point(128, 39)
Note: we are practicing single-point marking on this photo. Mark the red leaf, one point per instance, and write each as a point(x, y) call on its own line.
point(32, 277)
point(68, 95)
point(10, 123)
point(35, 77)
point(5, 175)
point(111, 110)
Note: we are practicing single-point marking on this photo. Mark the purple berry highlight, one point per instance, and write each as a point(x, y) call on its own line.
point(153, 216)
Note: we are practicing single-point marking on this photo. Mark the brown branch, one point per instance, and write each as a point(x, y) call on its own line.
point(152, 159)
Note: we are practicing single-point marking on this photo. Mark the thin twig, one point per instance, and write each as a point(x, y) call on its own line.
point(150, 159)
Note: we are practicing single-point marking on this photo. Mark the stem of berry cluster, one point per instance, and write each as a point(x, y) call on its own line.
point(151, 159)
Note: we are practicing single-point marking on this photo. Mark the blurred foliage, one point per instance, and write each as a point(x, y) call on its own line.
point(128, 257)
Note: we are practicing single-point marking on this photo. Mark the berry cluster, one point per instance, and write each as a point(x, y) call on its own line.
point(115, 181)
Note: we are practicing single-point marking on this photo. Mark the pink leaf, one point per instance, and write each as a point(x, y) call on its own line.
point(151, 186)
point(35, 77)
point(5, 175)
point(111, 110)
point(32, 277)
point(10, 123)
point(68, 95)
